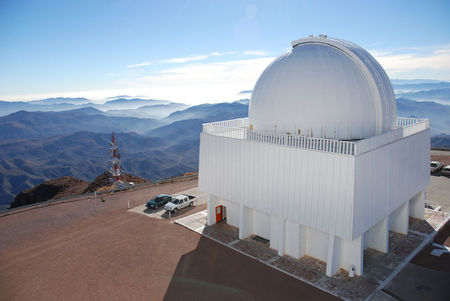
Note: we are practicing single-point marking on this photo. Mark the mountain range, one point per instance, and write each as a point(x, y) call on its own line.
point(119, 106)
point(41, 144)
point(38, 146)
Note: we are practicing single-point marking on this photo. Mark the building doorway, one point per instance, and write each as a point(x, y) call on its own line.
point(221, 213)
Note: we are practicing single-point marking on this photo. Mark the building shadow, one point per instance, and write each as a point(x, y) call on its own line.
point(216, 272)
point(439, 174)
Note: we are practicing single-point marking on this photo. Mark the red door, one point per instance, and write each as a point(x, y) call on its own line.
point(219, 213)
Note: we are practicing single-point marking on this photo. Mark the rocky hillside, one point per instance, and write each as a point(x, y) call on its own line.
point(67, 186)
point(104, 180)
point(56, 188)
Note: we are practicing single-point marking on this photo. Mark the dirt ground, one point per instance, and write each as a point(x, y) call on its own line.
point(94, 250)
point(441, 156)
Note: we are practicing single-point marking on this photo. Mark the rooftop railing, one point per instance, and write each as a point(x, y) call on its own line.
point(239, 129)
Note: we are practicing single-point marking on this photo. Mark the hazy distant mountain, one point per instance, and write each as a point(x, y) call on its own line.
point(125, 107)
point(438, 114)
point(154, 111)
point(245, 101)
point(131, 103)
point(218, 111)
point(402, 88)
point(187, 124)
point(177, 131)
point(437, 95)
point(441, 141)
point(28, 125)
point(7, 107)
point(84, 155)
point(246, 92)
point(413, 81)
point(61, 100)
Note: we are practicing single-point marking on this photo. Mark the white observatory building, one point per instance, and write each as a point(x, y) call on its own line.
point(322, 166)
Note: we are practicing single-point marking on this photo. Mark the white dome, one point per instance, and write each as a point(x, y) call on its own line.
point(324, 88)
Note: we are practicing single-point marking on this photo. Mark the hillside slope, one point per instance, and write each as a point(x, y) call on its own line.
point(84, 155)
point(55, 188)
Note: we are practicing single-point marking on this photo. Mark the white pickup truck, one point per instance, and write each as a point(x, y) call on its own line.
point(179, 202)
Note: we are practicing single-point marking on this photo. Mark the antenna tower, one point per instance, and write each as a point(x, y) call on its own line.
point(116, 168)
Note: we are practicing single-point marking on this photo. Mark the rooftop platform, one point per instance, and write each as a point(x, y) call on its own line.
point(240, 129)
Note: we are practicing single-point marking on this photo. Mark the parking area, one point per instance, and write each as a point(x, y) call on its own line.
point(160, 213)
point(438, 192)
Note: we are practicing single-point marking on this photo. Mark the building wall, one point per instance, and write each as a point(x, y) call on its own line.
point(389, 176)
point(345, 195)
point(307, 187)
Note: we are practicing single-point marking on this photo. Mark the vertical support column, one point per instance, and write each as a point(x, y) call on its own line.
point(379, 236)
point(245, 222)
point(334, 256)
point(331, 256)
point(241, 221)
point(293, 239)
point(399, 219)
point(210, 209)
point(417, 205)
point(302, 247)
point(274, 231)
point(282, 238)
point(353, 254)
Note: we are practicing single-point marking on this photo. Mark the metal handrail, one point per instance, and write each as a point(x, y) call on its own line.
point(239, 129)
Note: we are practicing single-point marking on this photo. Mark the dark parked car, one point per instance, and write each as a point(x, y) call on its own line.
point(158, 201)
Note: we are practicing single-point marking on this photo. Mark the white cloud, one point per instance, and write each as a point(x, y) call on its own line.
point(196, 83)
point(186, 59)
point(181, 60)
point(255, 52)
point(143, 64)
point(178, 60)
point(416, 63)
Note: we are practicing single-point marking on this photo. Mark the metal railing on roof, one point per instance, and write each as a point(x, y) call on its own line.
point(239, 129)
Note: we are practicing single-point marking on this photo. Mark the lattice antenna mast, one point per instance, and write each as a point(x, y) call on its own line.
point(116, 168)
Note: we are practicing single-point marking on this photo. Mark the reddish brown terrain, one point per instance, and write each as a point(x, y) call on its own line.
point(441, 155)
point(94, 250)
point(68, 186)
point(104, 180)
point(53, 189)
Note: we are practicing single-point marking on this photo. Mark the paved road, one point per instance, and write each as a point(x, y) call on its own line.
point(426, 277)
point(438, 192)
point(94, 250)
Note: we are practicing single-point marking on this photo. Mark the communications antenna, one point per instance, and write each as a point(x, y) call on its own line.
point(116, 168)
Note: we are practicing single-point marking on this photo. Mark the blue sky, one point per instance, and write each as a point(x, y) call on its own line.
point(196, 51)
